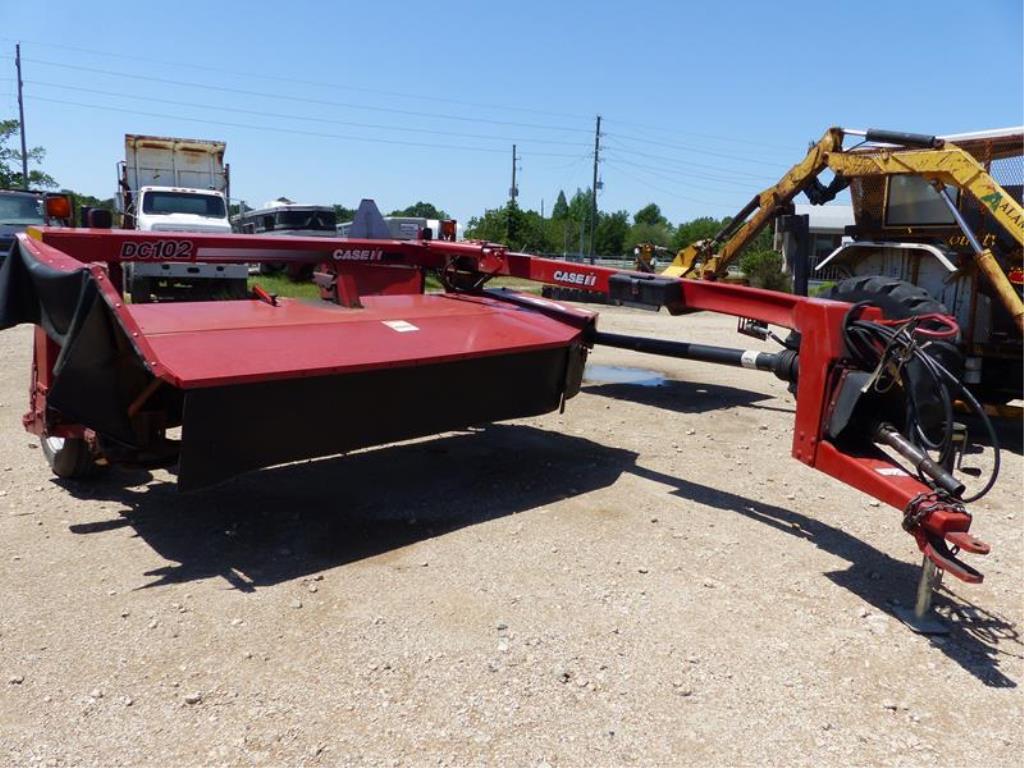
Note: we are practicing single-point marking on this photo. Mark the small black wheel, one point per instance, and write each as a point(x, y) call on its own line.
point(896, 298)
point(70, 458)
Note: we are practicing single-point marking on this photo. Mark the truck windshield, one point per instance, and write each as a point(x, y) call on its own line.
point(183, 202)
point(298, 219)
point(21, 209)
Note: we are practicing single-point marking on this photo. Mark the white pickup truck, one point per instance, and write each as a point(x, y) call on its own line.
point(176, 185)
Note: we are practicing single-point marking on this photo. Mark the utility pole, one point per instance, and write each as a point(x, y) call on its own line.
point(593, 189)
point(21, 119)
point(512, 193)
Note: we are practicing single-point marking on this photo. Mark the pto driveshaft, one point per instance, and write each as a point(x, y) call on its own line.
point(783, 364)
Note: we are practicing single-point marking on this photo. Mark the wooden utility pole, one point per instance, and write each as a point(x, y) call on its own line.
point(593, 189)
point(21, 119)
point(512, 194)
point(512, 191)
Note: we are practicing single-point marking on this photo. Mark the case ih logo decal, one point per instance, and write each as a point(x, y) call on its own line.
point(575, 278)
point(157, 249)
point(358, 254)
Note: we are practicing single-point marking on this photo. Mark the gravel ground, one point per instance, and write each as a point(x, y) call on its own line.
point(646, 579)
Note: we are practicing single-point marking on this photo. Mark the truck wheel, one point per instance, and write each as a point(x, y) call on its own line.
point(896, 298)
point(141, 288)
point(237, 289)
point(69, 457)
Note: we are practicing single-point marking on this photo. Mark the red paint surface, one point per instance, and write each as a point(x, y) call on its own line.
point(213, 343)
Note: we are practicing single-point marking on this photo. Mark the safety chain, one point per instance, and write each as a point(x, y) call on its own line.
point(926, 502)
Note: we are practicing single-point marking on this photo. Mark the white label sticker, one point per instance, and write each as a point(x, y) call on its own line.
point(749, 358)
point(890, 471)
point(400, 325)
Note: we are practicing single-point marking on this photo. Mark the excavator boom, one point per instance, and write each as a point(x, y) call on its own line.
point(940, 162)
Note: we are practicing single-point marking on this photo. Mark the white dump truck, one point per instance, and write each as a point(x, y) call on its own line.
point(176, 185)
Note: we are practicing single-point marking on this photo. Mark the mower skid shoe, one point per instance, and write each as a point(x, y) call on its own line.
point(935, 549)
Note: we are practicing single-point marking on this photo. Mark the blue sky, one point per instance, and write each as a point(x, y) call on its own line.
point(703, 103)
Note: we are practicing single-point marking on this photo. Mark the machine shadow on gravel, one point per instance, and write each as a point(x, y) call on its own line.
point(292, 521)
point(878, 579)
point(288, 522)
point(682, 396)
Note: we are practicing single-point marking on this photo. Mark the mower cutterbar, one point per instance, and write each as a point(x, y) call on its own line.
point(381, 361)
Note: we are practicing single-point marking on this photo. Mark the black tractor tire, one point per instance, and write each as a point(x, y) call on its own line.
point(70, 458)
point(897, 299)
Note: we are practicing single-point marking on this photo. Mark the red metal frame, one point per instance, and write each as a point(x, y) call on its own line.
point(819, 322)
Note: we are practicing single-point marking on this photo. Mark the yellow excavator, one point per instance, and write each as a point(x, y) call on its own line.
point(939, 161)
point(645, 256)
point(935, 231)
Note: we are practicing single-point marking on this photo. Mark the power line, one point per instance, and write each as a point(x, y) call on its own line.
point(677, 161)
point(678, 179)
point(433, 97)
point(648, 185)
point(305, 118)
point(714, 137)
point(727, 192)
point(317, 83)
point(690, 163)
point(289, 130)
point(698, 151)
point(305, 99)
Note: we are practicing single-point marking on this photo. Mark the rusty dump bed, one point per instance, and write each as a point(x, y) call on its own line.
point(254, 383)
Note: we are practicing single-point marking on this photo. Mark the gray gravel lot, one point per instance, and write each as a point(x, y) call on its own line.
point(647, 579)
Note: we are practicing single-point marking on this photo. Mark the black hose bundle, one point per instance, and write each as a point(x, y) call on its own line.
point(888, 348)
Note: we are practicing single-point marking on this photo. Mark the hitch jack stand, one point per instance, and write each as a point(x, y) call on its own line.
point(921, 618)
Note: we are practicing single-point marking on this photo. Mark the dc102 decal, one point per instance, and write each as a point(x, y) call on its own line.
point(158, 249)
point(575, 278)
point(358, 254)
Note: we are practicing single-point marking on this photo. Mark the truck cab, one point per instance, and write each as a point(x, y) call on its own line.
point(180, 209)
point(170, 184)
point(23, 208)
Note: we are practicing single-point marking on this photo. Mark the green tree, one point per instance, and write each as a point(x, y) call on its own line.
point(560, 210)
point(764, 270)
point(580, 213)
point(611, 232)
point(650, 214)
point(658, 234)
point(701, 228)
point(10, 161)
point(343, 213)
point(422, 210)
point(530, 232)
point(580, 206)
point(90, 201)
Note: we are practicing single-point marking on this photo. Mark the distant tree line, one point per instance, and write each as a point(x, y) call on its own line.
point(616, 233)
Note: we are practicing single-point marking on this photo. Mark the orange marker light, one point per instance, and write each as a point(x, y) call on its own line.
point(58, 207)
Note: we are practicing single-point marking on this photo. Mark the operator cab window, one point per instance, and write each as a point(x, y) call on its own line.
point(912, 201)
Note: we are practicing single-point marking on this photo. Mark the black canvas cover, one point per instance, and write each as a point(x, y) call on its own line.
point(98, 372)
